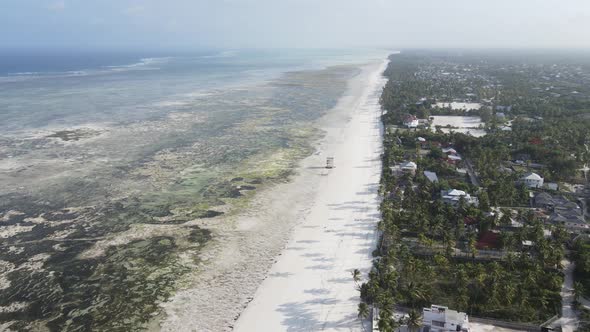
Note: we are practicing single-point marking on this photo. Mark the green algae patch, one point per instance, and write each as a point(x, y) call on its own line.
point(148, 176)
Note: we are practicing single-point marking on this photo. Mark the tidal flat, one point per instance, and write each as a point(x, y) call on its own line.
point(95, 216)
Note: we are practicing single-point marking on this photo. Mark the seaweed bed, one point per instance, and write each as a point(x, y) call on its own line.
point(168, 172)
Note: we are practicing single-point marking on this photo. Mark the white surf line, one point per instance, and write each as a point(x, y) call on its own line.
point(310, 287)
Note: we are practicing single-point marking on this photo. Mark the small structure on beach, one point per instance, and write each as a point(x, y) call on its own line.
point(330, 162)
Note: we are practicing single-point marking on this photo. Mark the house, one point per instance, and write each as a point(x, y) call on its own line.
point(442, 319)
point(561, 211)
point(550, 202)
point(551, 186)
point(411, 121)
point(409, 167)
point(570, 218)
point(532, 180)
point(449, 151)
point(431, 176)
point(500, 116)
point(488, 240)
point(454, 196)
point(454, 158)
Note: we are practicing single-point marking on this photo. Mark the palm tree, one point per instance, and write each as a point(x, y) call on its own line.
point(578, 290)
point(356, 275)
point(386, 322)
point(414, 321)
point(363, 311)
point(415, 293)
point(509, 290)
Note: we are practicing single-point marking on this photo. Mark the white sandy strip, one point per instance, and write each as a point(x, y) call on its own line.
point(310, 287)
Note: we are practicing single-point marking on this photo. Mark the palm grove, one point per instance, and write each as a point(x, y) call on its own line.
point(432, 252)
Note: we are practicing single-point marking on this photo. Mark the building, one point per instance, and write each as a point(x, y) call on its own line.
point(431, 176)
point(449, 151)
point(549, 202)
point(411, 121)
point(409, 167)
point(561, 211)
point(454, 196)
point(501, 108)
point(442, 319)
point(532, 180)
point(552, 186)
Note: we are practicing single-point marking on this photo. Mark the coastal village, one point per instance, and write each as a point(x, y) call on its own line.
point(484, 214)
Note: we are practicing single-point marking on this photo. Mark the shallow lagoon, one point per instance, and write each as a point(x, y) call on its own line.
point(94, 204)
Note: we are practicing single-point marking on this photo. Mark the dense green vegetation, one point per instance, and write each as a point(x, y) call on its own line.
point(496, 259)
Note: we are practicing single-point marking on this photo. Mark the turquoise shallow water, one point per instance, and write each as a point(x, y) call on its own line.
point(90, 149)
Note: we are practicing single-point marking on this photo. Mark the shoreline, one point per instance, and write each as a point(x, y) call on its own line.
point(244, 247)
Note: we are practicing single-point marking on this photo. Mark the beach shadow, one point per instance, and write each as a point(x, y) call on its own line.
point(354, 234)
point(346, 203)
point(317, 291)
point(323, 259)
point(320, 267)
point(296, 248)
point(366, 251)
point(307, 241)
point(280, 275)
point(304, 316)
point(341, 280)
point(315, 254)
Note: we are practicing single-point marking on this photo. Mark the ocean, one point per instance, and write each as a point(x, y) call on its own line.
point(107, 159)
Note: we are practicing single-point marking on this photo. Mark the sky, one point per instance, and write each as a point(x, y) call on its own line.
point(202, 24)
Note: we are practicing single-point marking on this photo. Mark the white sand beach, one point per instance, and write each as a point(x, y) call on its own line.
point(288, 258)
point(310, 287)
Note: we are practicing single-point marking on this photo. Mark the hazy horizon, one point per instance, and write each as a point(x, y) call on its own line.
point(185, 25)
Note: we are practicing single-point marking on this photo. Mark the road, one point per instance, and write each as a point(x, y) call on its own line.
point(569, 318)
point(471, 173)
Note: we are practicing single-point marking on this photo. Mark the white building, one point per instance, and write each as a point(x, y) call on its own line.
point(532, 180)
point(411, 121)
point(453, 196)
point(442, 319)
point(409, 167)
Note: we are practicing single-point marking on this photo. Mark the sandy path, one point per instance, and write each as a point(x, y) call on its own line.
point(321, 225)
point(569, 318)
point(310, 287)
